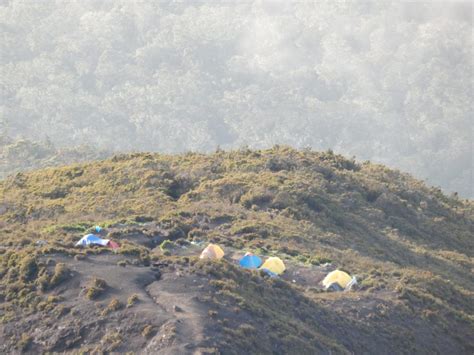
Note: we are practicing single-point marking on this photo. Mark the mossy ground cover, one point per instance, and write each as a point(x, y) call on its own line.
point(392, 231)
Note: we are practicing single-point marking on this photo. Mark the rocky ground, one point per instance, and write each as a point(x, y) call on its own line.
point(168, 308)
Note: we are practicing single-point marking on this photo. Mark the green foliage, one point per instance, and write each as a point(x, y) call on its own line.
point(133, 299)
point(23, 154)
point(111, 341)
point(61, 273)
point(28, 269)
point(148, 331)
point(96, 289)
point(319, 259)
point(167, 245)
point(309, 208)
point(113, 306)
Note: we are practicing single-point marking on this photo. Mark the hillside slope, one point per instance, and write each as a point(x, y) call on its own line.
point(24, 155)
point(410, 246)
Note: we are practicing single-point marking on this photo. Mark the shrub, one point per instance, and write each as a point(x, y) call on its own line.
point(167, 245)
point(256, 199)
point(113, 306)
point(318, 260)
point(61, 310)
point(28, 268)
point(43, 282)
point(111, 341)
point(93, 292)
point(54, 299)
point(133, 299)
point(96, 289)
point(147, 331)
point(61, 273)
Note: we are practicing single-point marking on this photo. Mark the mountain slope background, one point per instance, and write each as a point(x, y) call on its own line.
point(410, 246)
point(386, 81)
point(24, 154)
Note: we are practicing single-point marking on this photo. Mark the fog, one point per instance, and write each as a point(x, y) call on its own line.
point(389, 82)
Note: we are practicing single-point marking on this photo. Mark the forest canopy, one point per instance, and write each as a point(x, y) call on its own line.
point(385, 81)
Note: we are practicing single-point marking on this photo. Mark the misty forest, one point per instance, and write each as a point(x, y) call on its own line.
point(381, 81)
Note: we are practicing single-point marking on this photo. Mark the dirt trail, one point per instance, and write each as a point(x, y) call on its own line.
point(184, 332)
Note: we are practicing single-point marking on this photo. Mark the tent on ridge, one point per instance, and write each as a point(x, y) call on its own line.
point(338, 280)
point(212, 251)
point(274, 265)
point(90, 239)
point(250, 261)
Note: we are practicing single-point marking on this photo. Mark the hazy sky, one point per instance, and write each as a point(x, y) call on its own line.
point(385, 81)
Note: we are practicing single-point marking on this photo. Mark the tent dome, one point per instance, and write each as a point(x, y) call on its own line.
point(340, 277)
point(212, 251)
point(250, 261)
point(92, 239)
point(274, 264)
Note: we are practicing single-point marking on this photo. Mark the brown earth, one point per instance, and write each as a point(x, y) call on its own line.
point(174, 315)
point(410, 246)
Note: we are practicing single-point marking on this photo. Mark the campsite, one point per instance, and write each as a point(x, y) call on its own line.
point(145, 287)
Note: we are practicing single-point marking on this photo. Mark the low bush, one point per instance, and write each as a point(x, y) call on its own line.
point(148, 331)
point(28, 268)
point(96, 288)
point(132, 300)
point(113, 306)
point(167, 245)
point(111, 342)
point(61, 273)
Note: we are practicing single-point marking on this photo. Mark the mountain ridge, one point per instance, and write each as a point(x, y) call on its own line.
point(409, 245)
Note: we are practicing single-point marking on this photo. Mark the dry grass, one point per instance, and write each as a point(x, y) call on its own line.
point(392, 231)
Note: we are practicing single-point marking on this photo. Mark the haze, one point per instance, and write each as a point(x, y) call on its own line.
point(388, 82)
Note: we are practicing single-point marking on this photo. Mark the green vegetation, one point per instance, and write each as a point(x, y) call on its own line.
point(147, 331)
point(21, 155)
point(403, 240)
point(111, 341)
point(61, 272)
point(167, 245)
point(28, 268)
point(113, 306)
point(96, 289)
point(133, 299)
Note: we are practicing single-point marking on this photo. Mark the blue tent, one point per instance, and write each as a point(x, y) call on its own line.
point(92, 239)
point(250, 262)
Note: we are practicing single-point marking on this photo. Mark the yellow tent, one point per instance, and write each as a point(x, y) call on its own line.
point(340, 277)
point(274, 264)
point(212, 251)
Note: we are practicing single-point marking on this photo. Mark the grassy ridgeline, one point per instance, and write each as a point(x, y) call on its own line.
point(396, 234)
